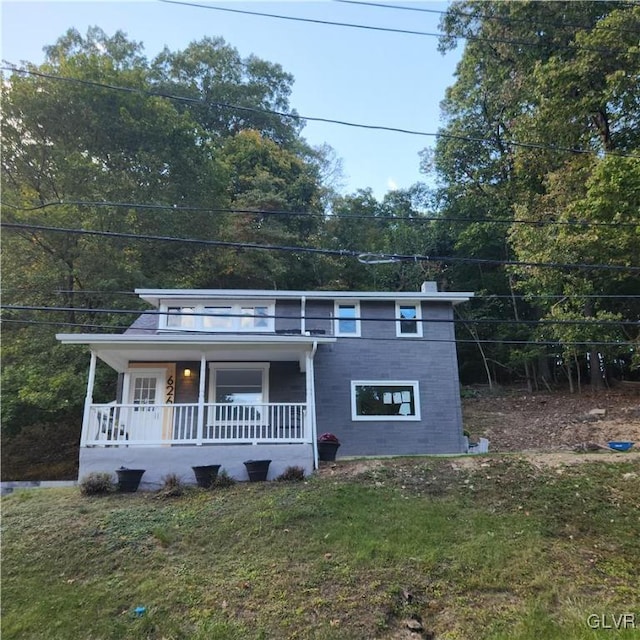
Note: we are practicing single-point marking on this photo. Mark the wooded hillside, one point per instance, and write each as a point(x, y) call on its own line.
point(120, 171)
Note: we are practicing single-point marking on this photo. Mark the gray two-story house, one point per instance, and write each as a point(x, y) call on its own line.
point(223, 376)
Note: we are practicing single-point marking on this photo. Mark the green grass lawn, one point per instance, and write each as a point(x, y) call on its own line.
point(503, 550)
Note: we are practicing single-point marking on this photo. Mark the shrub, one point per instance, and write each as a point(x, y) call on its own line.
point(291, 474)
point(172, 486)
point(97, 484)
point(223, 480)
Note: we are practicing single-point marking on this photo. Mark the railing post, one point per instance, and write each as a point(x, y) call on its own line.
point(200, 418)
point(88, 401)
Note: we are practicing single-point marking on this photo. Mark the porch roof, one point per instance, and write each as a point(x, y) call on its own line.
point(118, 350)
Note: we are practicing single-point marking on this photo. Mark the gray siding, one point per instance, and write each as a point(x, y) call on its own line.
point(286, 382)
point(379, 355)
point(287, 316)
point(319, 317)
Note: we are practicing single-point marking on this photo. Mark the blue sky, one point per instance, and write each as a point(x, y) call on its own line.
point(362, 76)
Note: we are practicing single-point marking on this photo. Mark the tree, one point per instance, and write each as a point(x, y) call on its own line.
point(137, 162)
point(536, 81)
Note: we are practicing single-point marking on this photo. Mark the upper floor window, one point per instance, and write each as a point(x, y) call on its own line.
point(347, 319)
point(230, 317)
point(408, 319)
point(181, 318)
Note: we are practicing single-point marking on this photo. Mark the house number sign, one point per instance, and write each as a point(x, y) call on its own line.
point(170, 395)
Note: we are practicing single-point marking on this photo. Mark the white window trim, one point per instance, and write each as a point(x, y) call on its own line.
point(214, 367)
point(236, 306)
point(418, 319)
point(336, 318)
point(386, 383)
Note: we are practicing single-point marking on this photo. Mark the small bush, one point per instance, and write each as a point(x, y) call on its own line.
point(172, 486)
point(291, 474)
point(97, 484)
point(223, 480)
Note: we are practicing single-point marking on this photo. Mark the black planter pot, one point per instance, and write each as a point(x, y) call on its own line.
point(257, 469)
point(129, 479)
point(206, 475)
point(327, 450)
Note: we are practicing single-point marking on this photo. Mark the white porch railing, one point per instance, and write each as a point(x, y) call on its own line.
point(178, 424)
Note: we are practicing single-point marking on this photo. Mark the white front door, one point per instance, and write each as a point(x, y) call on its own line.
point(145, 392)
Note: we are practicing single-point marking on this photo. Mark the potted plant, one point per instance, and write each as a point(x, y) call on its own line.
point(257, 469)
point(129, 479)
point(328, 445)
point(206, 474)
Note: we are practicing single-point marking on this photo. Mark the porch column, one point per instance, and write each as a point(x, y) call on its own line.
point(311, 401)
point(201, 386)
point(88, 401)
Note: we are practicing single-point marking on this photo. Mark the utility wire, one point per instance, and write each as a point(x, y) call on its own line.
point(304, 214)
point(477, 296)
point(202, 314)
point(555, 296)
point(295, 116)
point(540, 343)
point(345, 253)
point(66, 324)
point(521, 43)
point(484, 16)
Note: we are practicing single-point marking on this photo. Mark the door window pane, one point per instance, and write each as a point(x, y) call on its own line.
point(144, 390)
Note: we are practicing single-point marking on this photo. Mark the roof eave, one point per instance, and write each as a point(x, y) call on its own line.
point(155, 297)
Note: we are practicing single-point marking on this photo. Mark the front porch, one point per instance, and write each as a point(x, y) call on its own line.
point(185, 401)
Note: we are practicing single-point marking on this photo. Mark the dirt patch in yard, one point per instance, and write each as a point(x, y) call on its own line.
point(518, 422)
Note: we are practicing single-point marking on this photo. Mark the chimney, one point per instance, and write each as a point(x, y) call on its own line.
point(429, 287)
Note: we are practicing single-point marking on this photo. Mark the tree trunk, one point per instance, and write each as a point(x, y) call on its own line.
point(570, 376)
point(597, 383)
point(516, 315)
point(594, 356)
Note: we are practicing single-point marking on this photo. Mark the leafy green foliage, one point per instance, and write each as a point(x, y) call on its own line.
point(134, 147)
point(567, 88)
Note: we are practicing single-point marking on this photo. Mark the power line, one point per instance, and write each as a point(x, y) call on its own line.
point(540, 343)
point(344, 253)
point(507, 19)
point(65, 324)
point(521, 43)
point(298, 117)
point(557, 296)
point(305, 214)
point(202, 314)
point(477, 296)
